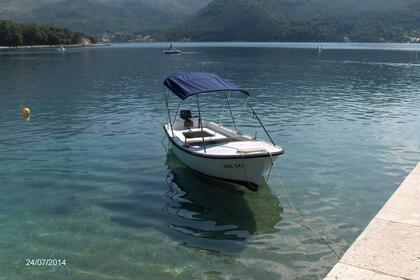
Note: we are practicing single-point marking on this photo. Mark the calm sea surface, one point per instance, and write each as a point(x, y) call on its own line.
point(88, 180)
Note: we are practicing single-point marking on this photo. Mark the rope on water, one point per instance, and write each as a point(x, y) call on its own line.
point(161, 142)
point(302, 220)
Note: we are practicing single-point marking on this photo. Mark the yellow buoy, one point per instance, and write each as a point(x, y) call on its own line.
point(26, 113)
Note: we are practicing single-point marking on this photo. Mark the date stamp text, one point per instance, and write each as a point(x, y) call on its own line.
point(45, 262)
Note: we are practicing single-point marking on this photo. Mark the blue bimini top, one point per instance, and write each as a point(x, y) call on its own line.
point(189, 84)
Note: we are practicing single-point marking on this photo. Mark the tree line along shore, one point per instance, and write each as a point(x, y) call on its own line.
point(14, 34)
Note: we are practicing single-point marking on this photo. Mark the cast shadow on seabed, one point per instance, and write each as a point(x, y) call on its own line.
point(198, 211)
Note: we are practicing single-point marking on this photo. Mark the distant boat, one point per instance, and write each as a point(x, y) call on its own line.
point(172, 50)
point(61, 48)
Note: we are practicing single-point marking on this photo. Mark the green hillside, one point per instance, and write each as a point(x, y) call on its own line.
point(101, 16)
point(227, 20)
point(303, 20)
point(16, 34)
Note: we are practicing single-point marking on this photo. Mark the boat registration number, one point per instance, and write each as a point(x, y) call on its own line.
point(237, 165)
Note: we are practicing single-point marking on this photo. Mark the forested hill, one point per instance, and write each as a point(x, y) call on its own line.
point(227, 20)
point(303, 20)
point(97, 17)
point(16, 34)
point(232, 20)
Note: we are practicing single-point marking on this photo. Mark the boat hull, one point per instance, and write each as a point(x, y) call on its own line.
point(248, 171)
point(171, 52)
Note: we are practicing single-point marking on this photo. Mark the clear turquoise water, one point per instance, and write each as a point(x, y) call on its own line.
point(88, 180)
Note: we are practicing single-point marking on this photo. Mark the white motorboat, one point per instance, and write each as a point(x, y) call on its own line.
point(320, 48)
point(61, 48)
point(172, 50)
point(210, 148)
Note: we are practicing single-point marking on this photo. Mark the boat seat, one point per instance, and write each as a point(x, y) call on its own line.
point(214, 136)
point(196, 136)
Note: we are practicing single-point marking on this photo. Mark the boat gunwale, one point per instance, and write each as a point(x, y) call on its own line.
point(242, 156)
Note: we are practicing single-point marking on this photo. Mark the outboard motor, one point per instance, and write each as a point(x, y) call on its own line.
point(187, 117)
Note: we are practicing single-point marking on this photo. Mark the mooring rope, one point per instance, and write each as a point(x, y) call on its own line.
point(161, 142)
point(301, 219)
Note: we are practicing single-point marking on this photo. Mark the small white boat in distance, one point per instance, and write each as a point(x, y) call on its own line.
point(171, 50)
point(208, 147)
point(61, 48)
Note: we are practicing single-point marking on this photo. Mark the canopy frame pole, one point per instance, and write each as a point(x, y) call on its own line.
point(243, 107)
point(230, 109)
point(222, 113)
point(200, 122)
point(177, 112)
point(168, 112)
point(262, 125)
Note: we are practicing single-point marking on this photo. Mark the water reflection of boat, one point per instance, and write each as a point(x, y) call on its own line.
point(211, 214)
